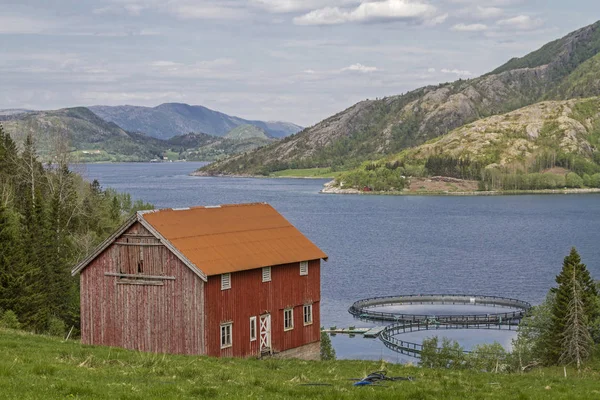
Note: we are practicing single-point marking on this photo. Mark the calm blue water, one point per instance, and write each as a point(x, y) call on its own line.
point(510, 246)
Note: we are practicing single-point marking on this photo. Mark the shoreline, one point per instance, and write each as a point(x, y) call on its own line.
point(205, 175)
point(332, 191)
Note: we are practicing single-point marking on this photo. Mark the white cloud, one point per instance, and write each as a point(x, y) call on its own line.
point(120, 97)
point(431, 70)
point(469, 28)
point(368, 11)
point(488, 12)
point(456, 72)
point(521, 22)
point(288, 6)
point(359, 68)
point(164, 64)
point(205, 11)
point(440, 19)
point(181, 9)
point(219, 68)
point(18, 24)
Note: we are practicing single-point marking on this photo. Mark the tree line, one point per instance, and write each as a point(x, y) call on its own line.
point(50, 218)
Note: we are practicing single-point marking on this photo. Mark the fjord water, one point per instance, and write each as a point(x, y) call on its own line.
point(510, 246)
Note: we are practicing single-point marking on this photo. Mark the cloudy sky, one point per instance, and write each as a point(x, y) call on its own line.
point(294, 60)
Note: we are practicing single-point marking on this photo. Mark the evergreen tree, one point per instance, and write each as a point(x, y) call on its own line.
point(11, 258)
point(574, 308)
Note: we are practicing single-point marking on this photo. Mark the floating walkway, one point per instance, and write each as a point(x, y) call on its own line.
point(366, 332)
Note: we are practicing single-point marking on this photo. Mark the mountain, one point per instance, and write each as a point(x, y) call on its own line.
point(547, 145)
point(171, 119)
point(13, 111)
point(203, 147)
point(90, 138)
point(247, 131)
point(372, 129)
point(82, 130)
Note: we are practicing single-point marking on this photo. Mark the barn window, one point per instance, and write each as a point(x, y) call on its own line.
point(304, 268)
point(266, 274)
point(226, 330)
point(288, 319)
point(252, 329)
point(308, 315)
point(225, 281)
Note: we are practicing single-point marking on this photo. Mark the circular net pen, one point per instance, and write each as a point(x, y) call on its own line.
point(367, 309)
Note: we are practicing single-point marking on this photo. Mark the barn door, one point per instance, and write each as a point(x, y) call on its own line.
point(265, 332)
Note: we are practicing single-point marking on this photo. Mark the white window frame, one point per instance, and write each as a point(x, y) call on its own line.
point(266, 274)
point(307, 311)
point(226, 335)
point(226, 281)
point(289, 327)
point(303, 268)
point(253, 334)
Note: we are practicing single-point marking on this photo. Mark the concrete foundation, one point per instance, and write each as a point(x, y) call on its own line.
point(311, 351)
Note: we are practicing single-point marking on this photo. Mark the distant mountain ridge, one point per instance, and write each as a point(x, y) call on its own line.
point(563, 69)
point(90, 138)
point(171, 119)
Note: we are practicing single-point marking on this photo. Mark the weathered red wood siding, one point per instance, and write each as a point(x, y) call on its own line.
point(165, 318)
point(249, 296)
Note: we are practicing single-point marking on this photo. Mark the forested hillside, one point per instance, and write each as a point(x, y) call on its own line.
point(49, 219)
point(563, 69)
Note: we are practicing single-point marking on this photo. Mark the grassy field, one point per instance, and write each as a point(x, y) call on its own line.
point(305, 173)
point(38, 367)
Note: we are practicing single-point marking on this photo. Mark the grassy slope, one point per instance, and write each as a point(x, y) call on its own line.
point(246, 132)
point(38, 367)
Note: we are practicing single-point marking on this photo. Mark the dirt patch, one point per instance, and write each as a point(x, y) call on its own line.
point(441, 184)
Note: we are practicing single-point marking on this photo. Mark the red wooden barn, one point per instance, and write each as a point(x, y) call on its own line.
point(225, 281)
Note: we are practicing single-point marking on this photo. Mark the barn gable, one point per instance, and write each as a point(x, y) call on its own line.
point(220, 239)
point(129, 297)
point(138, 219)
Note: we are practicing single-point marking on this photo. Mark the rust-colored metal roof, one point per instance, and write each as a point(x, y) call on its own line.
point(232, 238)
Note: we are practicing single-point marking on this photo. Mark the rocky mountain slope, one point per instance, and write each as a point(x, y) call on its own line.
point(513, 140)
point(90, 138)
point(372, 129)
point(548, 145)
point(171, 119)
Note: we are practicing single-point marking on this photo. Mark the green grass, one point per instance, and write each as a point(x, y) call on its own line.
point(305, 173)
point(39, 367)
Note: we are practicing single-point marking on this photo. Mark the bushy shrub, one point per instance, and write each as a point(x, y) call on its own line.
point(595, 181)
point(449, 355)
point(327, 350)
point(573, 180)
point(9, 320)
point(487, 357)
point(56, 327)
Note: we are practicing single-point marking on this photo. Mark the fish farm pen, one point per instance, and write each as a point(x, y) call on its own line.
point(364, 308)
point(407, 322)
